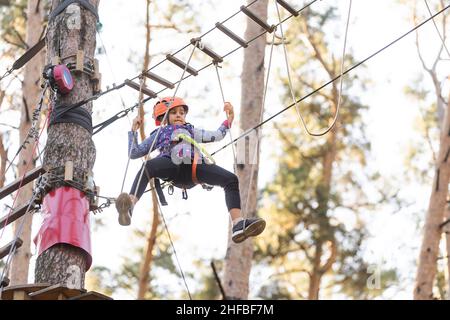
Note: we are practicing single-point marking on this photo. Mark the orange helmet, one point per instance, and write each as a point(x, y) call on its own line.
point(161, 106)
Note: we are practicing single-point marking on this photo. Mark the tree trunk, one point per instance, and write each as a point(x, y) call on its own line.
point(432, 229)
point(30, 89)
point(74, 29)
point(144, 275)
point(238, 257)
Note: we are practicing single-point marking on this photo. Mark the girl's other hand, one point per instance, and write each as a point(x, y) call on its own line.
point(136, 123)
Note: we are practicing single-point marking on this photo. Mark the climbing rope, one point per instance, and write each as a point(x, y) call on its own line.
point(290, 80)
point(132, 145)
point(229, 125)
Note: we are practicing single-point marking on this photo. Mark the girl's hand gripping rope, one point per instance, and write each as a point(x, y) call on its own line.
point(228, 108)
point(136, 123)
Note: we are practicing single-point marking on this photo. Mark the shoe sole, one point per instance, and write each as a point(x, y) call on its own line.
point(253, 230)
point(124, 219)
point(123, 206)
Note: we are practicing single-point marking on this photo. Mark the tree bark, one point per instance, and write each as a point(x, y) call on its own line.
point(72, 30)
point(429, 251)
point(238, 257)
point(30, 89)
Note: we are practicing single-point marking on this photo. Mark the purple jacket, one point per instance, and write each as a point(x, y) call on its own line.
point(166, 141)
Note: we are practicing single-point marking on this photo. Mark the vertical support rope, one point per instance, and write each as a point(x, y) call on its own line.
point(287, 64)
point(132, 141)
point(174, 251)
point(255, 150)
point(229, 130)
point(340, 76)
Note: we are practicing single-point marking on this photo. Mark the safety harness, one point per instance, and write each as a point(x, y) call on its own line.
point(199, 150)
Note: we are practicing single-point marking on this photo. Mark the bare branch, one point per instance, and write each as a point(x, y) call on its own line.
point(305, 250)
point(13, 43)
point(284, 137)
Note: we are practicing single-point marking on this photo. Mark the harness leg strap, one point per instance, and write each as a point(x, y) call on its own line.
point(160, 193)
point(194, 168)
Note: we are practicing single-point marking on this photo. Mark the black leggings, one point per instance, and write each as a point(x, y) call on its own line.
point(211, 174)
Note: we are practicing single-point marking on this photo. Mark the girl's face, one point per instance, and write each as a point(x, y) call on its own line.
point(177, 115)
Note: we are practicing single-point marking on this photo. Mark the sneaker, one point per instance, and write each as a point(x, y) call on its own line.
point(124, 206)
point(247, 228)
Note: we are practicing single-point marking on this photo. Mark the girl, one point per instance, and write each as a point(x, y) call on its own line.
point(176, 159)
